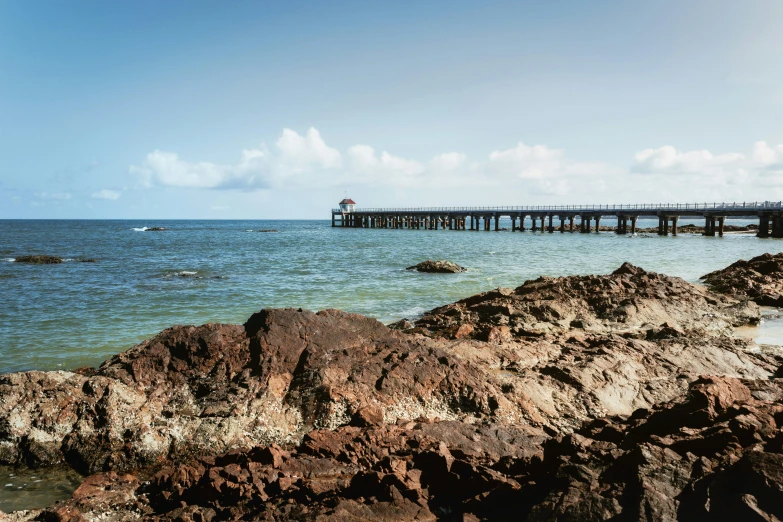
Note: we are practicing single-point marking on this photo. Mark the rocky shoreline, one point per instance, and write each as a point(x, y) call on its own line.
point(619, 396)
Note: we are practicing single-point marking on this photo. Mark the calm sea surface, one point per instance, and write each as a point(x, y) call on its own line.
point(75, 314)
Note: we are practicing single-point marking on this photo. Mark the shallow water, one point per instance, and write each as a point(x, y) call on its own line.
point(75, 314)
point(35, 489)
point(768, 335)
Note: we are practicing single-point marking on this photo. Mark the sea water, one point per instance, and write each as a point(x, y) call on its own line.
point(74, 314)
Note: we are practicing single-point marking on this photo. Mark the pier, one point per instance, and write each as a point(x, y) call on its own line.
point(563, 218)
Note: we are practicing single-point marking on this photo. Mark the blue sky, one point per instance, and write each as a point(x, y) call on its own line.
point(276, 110)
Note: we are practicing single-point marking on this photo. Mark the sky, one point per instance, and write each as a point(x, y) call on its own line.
point(277, 110)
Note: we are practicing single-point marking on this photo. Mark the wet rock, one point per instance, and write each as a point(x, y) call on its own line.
point(39, 260)
point(268, 230)
point(760, 280)
point(155, 229)
point(402, 324)
point(439, 267)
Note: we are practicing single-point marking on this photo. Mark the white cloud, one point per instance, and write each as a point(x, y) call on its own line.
point(106, 194)
point(301, 153)
point(307, 161)
point(448, 161)
point(765, 155)
point(669, 159)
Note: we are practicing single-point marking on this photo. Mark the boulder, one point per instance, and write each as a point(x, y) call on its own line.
point(438, 267)
point(760, 280)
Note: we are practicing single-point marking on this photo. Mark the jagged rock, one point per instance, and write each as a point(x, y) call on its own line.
point(714, 456)
point(760, 280)
point(39, 260)
point(628, 302)
point(209, 389)
point(438, 267)
point(411, 471)
point(333, 416)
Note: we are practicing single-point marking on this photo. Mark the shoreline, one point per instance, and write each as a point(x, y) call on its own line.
point(538, 362)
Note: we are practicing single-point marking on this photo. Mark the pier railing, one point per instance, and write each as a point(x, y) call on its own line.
point(754, 206)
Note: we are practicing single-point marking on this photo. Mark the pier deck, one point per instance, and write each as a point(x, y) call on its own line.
point(769, 214)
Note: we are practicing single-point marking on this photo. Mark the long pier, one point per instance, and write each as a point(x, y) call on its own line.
point(769, 214)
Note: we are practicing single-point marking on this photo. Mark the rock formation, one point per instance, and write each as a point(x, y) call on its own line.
point(39, 260)
point(567, 398)
point(438, 267)
point(760, 279)
point(715, 454)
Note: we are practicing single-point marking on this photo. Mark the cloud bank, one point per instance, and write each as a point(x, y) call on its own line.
point(307, 161)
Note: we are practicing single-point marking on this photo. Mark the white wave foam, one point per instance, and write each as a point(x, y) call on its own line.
point(142, 229)
point(186, 273)
point(10, 259)
point(412, 313)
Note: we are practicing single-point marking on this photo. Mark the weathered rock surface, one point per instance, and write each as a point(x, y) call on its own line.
point(760, 280)
point(715, 454)
point(209, 389)
point(438, 267)
point(335, 416)
point(213, 388)
point(630, 302)
point(39, 260)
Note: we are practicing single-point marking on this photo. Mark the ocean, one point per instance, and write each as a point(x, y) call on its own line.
point(77, 314)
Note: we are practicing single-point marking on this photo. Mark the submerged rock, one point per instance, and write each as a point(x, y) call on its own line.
point(760, 280)
point(268, 230)
point(39, 260)
point(440, 267)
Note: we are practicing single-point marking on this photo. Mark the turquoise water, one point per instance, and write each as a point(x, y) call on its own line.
point(75, 314)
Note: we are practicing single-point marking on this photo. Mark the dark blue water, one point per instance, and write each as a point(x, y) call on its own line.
point(75, 314)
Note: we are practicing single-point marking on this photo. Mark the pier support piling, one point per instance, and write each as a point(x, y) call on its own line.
point(777, 226)
point(763, 225)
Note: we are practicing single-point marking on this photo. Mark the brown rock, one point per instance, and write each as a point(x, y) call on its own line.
point(439, 267)
point(39, 260)
point(760, 280)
